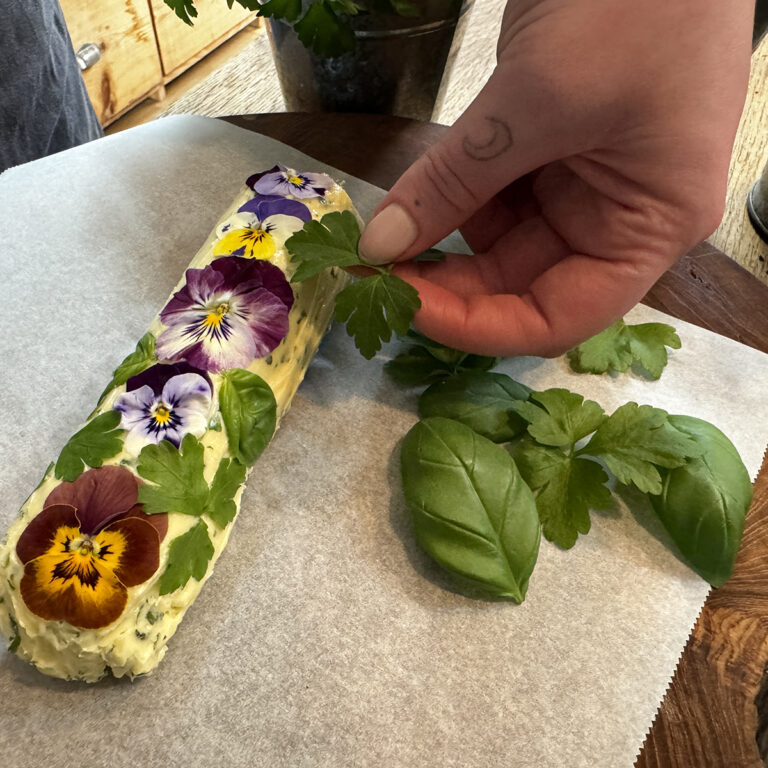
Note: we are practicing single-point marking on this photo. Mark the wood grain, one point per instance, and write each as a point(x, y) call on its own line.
point(130, 66)
point(708, 717)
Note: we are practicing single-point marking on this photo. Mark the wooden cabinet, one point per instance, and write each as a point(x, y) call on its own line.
point(143, 46)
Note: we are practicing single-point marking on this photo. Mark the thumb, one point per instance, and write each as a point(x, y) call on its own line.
point(506, 132)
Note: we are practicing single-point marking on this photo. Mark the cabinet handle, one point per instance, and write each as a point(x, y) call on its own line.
point(87, 55)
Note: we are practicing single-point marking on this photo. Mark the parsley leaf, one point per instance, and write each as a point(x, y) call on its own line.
point(375, 306)
point(323, 31)
point(140, 359)
point(249, 412)
point(559, 417)
point(634, 439)
point(330, 242)
point(99, 439)
point(290, 10)
point(565, 488)
point(621, 345)
point(221, 507)
point(183, 9)
point(188, 557)
point(177, 477)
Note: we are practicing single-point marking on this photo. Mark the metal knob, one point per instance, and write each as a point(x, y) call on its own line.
point(87, 55)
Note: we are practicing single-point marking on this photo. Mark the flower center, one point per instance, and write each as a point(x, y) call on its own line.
point(297, 181)
point(215, 318)
point(84, 546)
point(162, 415)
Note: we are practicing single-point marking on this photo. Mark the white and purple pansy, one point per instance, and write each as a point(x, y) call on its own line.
point(286, 181)
point(226, 315)
point(259, 226)
point(164, 402)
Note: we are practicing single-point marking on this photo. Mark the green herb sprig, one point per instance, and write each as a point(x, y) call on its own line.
point(324, 26)
point(372, 307)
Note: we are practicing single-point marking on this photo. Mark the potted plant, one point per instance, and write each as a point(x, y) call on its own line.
point(376, 56)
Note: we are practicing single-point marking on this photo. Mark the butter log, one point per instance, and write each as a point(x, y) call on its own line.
point(125, 527)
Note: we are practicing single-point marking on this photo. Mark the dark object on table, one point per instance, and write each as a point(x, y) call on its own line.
point(395, 68)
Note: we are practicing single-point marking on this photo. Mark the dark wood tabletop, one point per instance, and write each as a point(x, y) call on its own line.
point(709, 717)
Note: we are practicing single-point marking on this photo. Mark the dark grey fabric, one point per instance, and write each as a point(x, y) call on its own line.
point(44, 107)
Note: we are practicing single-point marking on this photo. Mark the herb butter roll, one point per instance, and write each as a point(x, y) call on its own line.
point(116, 542)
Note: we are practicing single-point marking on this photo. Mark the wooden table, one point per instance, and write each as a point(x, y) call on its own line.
point(708, 718)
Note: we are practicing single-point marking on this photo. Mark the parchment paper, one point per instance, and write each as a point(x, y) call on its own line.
point(325, 637)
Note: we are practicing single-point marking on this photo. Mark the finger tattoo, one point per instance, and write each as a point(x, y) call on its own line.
point(489, 147)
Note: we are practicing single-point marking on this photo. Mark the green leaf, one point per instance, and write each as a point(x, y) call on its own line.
point(99, 439)
point(321, 30)
point(375, 306)
point(426, 361)
point(566, 488)
point(140, 359)
point(621, 345)
point(290, 10)
point(178, 483)
point(704, 502)
point(408, 8)
point(184, 9)
point(230, 475)
point(480, 399)
point(634, 439)
point(349, 7)
point(249, 412)
point(558, 417)
point(188, 557)
point(330, 242)
point(471, 510)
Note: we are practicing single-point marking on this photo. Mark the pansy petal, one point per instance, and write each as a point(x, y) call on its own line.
point(268, 318)
point(235, 241)
point(281, 226)
point(264, 206)
point(158, 522)
point(94, 602)
point(157, 375)
point(39, 535)
point(133, 406)
point(251, 180)
point(139, 549)
point(187, 386)
point(98, 495)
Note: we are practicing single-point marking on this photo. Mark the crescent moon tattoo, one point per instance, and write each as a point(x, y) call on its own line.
point(500, 141)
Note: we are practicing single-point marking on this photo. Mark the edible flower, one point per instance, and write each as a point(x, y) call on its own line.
point(286, 181)
point(226, 315)
point(88, 546)
point(257, 227)
point(164, 402)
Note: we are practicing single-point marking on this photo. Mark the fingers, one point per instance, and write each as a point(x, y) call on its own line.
point(504, 134)
point(566, 304)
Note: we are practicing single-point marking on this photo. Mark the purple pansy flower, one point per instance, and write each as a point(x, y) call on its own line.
point(226, 315)
point(259, 225)
point(286, 181)
point(165, 402)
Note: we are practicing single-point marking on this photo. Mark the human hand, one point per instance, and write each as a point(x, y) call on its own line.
point(594, 157)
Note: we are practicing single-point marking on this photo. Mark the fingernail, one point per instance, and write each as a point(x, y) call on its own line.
point(387, 235)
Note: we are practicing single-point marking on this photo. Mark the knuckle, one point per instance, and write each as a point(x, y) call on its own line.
point(445, 180)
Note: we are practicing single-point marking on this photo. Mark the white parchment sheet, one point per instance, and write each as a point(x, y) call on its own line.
point(325, 638)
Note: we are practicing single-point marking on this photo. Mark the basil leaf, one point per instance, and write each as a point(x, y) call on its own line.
point(188, 557)
point(249, 412)
point(480, 399)
point(178, 483)
point(703, 503)
point(99, 439)
point(140, 359)
point(471, 510)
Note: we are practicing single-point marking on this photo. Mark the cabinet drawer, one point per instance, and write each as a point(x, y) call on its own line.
point(129, 68)
point(181, 45)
